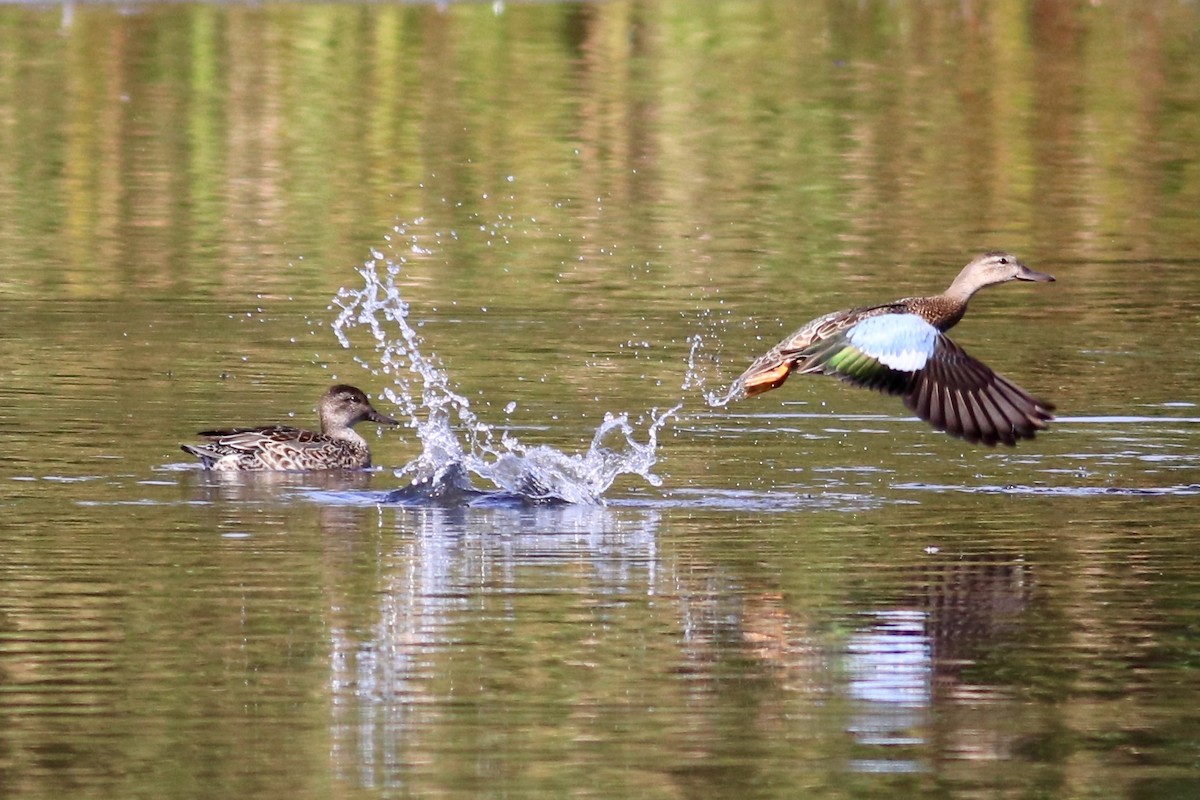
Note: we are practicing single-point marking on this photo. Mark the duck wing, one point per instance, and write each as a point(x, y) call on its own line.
point(251, 439)
point(772, 368)
point(276, 447)
point(882, 352)
point(962, 396)
point(904, 355)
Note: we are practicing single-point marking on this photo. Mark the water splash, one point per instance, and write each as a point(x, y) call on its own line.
point(457, 446)
point(702, 364)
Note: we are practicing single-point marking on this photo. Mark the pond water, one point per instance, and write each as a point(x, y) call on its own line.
point(539, 235)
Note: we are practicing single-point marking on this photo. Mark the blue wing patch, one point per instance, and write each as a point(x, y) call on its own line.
point(902, 342)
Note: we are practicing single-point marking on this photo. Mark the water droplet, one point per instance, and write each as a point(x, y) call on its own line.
point(440, 415)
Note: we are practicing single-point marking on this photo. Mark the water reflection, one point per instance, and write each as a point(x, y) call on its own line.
point(889, 668)
point(268, 486)
point(911, 660)
point(907, 683)
point(455, 568)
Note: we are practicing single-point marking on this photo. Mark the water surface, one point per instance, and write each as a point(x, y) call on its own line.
point(594, 210)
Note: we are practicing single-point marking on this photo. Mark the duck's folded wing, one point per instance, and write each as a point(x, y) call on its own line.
point(251, 439)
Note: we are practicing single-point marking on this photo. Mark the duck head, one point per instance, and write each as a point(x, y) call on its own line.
point(345, 406)
point(990, 269)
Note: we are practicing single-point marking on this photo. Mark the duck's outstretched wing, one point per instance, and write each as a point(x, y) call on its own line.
point(962, 396)
point(903, 354)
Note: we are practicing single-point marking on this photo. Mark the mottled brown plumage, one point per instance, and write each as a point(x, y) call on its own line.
point(904, 351)
point(279, 447)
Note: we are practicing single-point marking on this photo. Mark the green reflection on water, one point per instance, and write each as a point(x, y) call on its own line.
point(182, 188)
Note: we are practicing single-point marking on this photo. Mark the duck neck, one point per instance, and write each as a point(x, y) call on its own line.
point(963, 288)
point(336, 429)
point(952, 311)
point(942, 311)
point(344, 433)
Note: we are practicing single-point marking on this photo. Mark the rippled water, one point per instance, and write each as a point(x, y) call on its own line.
point(543, 235)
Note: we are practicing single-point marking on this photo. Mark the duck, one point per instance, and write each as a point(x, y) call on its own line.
point(280, 447)
point(901, 348)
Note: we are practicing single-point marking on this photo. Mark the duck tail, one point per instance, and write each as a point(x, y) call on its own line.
point(766, 373)
point(207, 457)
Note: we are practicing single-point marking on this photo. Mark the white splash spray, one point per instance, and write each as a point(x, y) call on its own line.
point(456, 445)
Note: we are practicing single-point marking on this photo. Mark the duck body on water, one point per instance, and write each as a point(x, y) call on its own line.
point(900, 348)
point(280, 447)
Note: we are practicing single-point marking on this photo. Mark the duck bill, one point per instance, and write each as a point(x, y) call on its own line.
point(382, 419)
point(1027, 274)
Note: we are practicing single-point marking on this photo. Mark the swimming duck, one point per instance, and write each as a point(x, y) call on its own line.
point(279, 447)
point(901, 348)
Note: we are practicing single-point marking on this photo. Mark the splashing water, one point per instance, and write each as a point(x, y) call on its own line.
point(698, 365)
point(455, 444)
